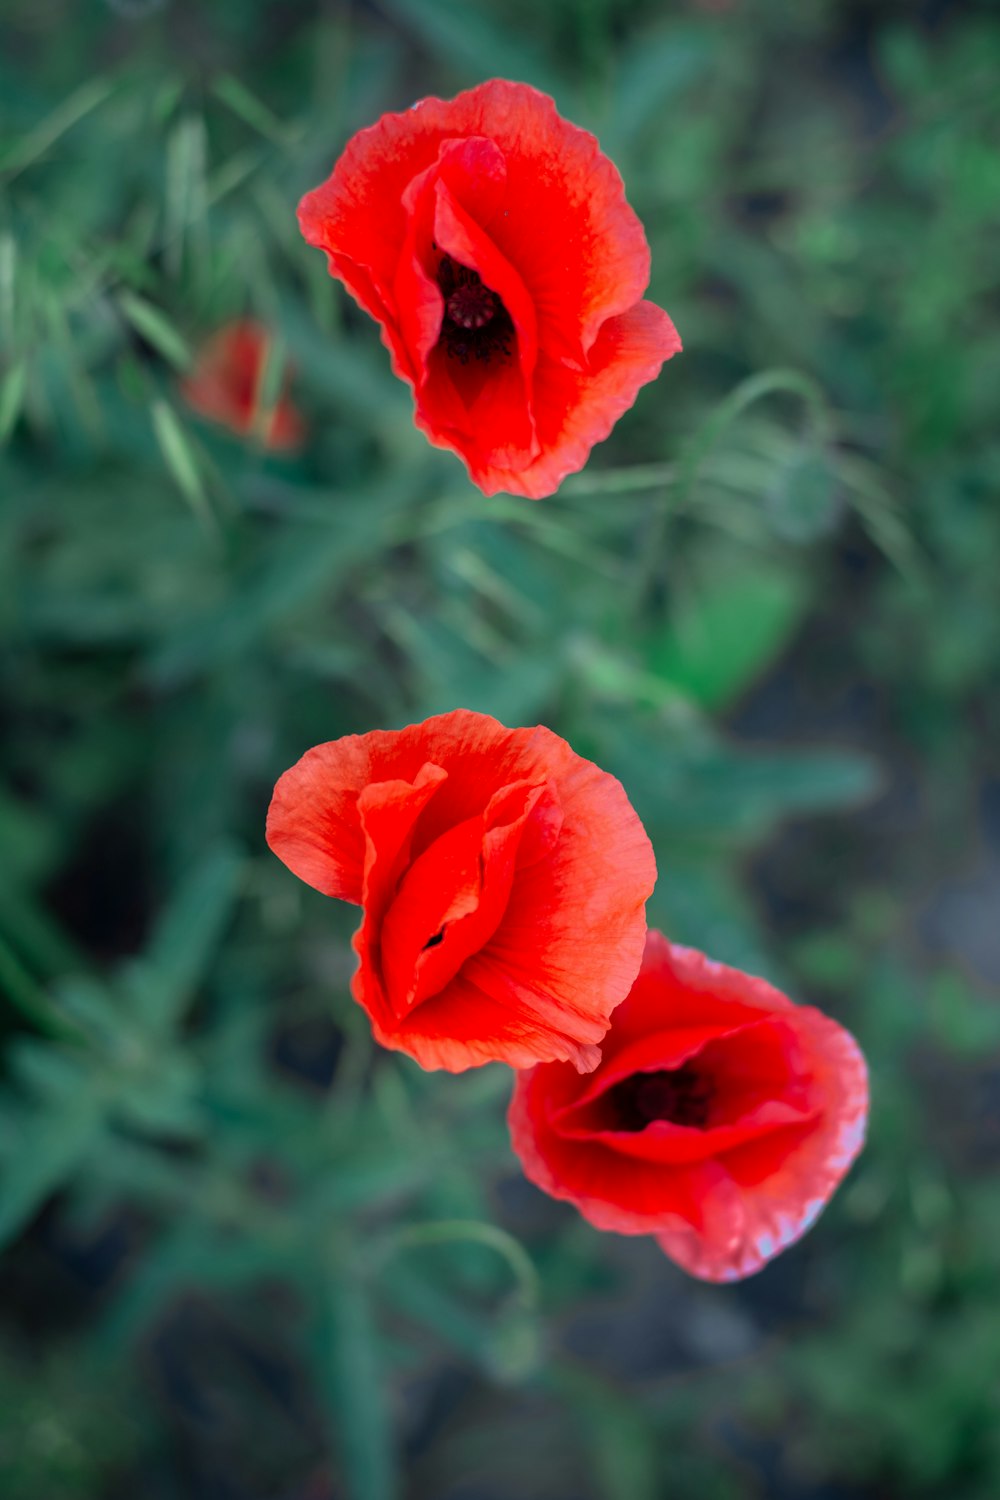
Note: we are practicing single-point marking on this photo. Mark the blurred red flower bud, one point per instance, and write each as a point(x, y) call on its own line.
point(225, 387)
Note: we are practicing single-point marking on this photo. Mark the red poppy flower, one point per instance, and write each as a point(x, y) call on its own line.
point(479, 855)
point(225, 387)
point(493, 243)
point(720, 1120)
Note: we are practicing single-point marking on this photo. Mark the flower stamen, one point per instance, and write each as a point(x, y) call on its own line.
point(471, 306)
point(476, 325)
point(680, 1095)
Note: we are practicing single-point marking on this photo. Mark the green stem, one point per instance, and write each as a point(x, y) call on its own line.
point(746, 394)
point(621, 481)
point(445, 1231)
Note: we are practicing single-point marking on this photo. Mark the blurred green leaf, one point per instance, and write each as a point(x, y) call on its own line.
point(656, 66)
point(186, 936)
point(728, 628)
point(619, 1439)
point(180, 459)
point(8, 280)
point(964, 1021)
point(351, 1372)
point(34, 1003)
point(186, 197)
point(165, 1100)
point(12, 391)
point(701, 792)
point(32, 931)
point(440, 1311)
point(234, 93)
point(802, 497)
point(49, 1073)
point(746, 793)
point(474, 40)
point(89, 96)
point(156, 328)
point(50, 1148)
point(303, 562)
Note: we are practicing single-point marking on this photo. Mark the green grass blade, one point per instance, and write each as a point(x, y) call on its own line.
point(54, 1146)
point(44, 136)
point(252, 111)
point(156, 329)
point(180, 459)
point(188, 933)
point(12, 392)
point(351, 1370)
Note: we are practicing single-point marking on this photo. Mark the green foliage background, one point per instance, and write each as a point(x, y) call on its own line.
point(244, 1256)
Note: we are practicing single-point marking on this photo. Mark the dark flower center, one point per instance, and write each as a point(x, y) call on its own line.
point(471, 306)
point(680, 1095)
point(476, 325)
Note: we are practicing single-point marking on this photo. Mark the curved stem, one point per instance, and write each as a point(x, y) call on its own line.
point(448, 1230)
point(746, 394)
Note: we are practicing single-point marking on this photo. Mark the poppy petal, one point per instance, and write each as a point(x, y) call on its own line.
point(453, 896)
point(313, 823)
point(785, 1184)
point(612, 1191)
point(466, 1024)
point(473, 173)
point(576, 409)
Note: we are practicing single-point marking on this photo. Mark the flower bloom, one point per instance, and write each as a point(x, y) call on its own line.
point(720, 1120)
point(225, 387)
point(503, 882)
point(492, 241)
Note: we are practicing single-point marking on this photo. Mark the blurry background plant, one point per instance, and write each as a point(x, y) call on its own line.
point(244, 1256)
